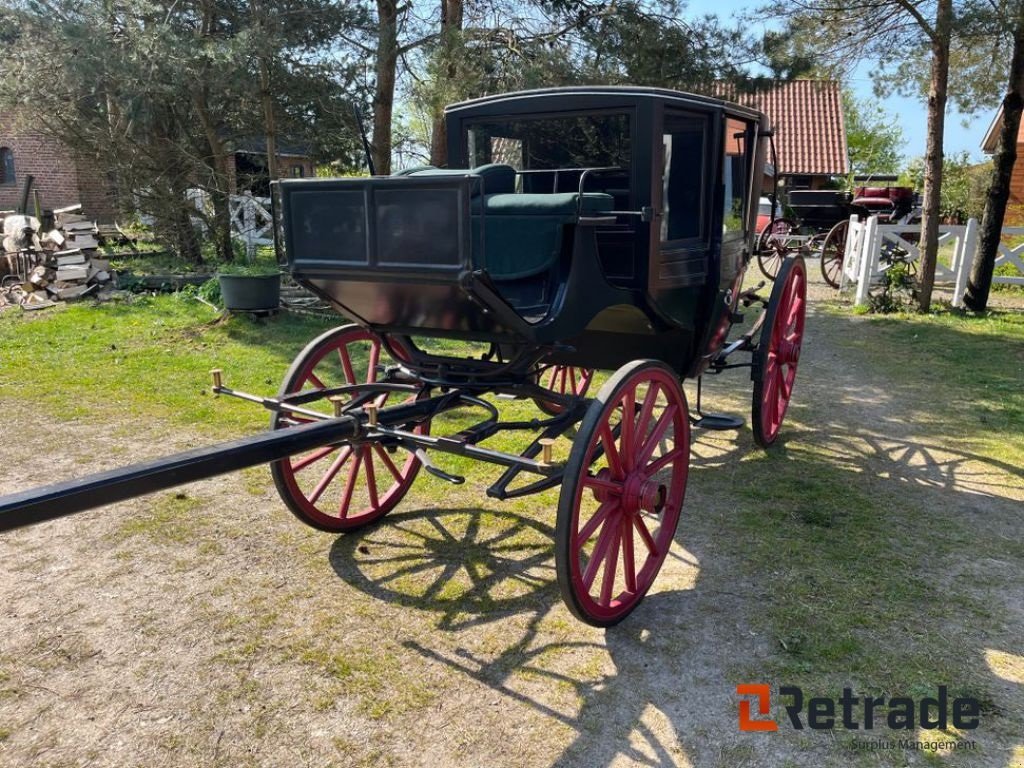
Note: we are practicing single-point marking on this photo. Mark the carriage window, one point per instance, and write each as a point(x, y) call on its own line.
point(683, 178)
point(551, 152)
point(735, 176)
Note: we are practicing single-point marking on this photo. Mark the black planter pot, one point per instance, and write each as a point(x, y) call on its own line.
point(250, 292)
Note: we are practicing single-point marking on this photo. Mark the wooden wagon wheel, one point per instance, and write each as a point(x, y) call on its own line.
point(833, 251)
point(778, 351)
point(342, 487)
point(773, 245)
point(563, 380)
point(622, 492)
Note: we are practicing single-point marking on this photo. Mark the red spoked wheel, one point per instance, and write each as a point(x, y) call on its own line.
point(778, 351)
point(622, 492)
point(563, 380)
point(833, 251)
point(342, 487)
point(773, 245)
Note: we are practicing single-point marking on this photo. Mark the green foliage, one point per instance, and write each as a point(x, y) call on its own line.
point(874, 138)
point(964, 185)
point(896, 293)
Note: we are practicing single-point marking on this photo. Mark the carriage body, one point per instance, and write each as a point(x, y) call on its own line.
point(597, 225)
point(578, 229)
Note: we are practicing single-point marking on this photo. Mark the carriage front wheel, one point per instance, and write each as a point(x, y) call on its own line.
point(342, 487)
point(622, 492)
point(833, 251)
point(563, 380)
point(778, 351)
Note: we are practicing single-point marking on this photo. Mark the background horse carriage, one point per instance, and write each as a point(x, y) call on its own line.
point(578, 229)
point(821, 221)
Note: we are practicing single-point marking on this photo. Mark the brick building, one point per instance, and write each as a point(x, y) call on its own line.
point(1015, 205)
point(61, 177)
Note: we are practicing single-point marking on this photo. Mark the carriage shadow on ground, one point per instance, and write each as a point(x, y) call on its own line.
point(659, 689)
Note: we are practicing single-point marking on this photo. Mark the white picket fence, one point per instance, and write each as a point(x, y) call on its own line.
point(866, 241)
point(250, 217)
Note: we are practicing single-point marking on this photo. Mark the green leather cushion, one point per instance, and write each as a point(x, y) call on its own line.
point(560, 204)
point(497, 178)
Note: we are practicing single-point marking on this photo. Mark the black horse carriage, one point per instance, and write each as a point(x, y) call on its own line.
point(577, 229)
point(820, 222)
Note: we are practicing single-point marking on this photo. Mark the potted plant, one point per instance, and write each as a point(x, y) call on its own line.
point(250, 287)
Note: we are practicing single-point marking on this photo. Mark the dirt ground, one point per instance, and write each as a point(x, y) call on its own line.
point(208, 627)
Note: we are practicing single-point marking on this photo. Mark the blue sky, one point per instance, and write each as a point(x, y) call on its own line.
point(910, 112)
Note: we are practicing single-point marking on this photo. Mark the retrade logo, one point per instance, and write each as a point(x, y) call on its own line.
point(856, 712)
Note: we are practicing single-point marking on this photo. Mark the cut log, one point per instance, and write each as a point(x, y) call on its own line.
point(69, 258)
point(73, 272)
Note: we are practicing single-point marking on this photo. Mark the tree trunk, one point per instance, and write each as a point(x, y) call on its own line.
point(937, 93)
point(218, 190)
point(980, 282)
point(452, 12)
point(269, 123)
point(384, 93)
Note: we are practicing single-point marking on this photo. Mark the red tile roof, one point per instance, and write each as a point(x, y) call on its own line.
point(808, 119)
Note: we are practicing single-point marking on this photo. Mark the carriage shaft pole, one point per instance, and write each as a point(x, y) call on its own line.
point(66, 498)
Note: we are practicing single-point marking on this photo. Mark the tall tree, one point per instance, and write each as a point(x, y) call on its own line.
point(891, 32)
point(980, 282)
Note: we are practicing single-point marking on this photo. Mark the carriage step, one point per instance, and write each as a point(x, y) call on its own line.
point(718, 421)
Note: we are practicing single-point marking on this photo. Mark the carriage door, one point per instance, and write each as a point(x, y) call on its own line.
point(683, 224)
point(737, 178)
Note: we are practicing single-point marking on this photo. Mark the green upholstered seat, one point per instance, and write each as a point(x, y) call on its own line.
point(523, 235)
point(523, 232)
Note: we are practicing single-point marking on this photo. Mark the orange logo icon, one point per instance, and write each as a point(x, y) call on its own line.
point(763, 706)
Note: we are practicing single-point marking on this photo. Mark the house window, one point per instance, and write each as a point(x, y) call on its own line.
point(298, 171)
point(6, 165)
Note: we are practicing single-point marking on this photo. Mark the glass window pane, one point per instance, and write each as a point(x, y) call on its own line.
point(735, 176)
point(683, 178)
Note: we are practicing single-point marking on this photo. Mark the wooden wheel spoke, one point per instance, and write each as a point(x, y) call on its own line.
point(628, 425)
point(657, 434)
point(597, 556)
point(597, 484)
point(646, 412)
point(371, 371)
point(331, 473)
point(312, 458)
point(628, 564)
point(383, 455)
point(346, 364)
point(662, 461)
point(645, 535)
point(611, 560)
point(610, 451)
point(316, 380)
point(371, 477)
point(592, 524)
point(350, 486)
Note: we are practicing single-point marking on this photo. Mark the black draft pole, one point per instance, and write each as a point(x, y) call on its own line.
point(71, 496)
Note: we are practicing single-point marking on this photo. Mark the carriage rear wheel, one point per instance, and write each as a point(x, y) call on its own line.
point(833, 251)
point(773, 245)
point(622, 492)
point(778, 351)
point(342, 487)
point(563, 380)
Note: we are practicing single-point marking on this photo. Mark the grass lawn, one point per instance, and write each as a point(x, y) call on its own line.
point(876, 547)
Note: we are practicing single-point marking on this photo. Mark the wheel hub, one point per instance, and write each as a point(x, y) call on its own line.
point(642, 494)
point(789, 351)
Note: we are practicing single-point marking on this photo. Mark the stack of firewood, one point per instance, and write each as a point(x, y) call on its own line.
point(60, 264)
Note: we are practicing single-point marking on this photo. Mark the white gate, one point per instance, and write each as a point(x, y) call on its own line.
point(1005, 255)
point(866, 242)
